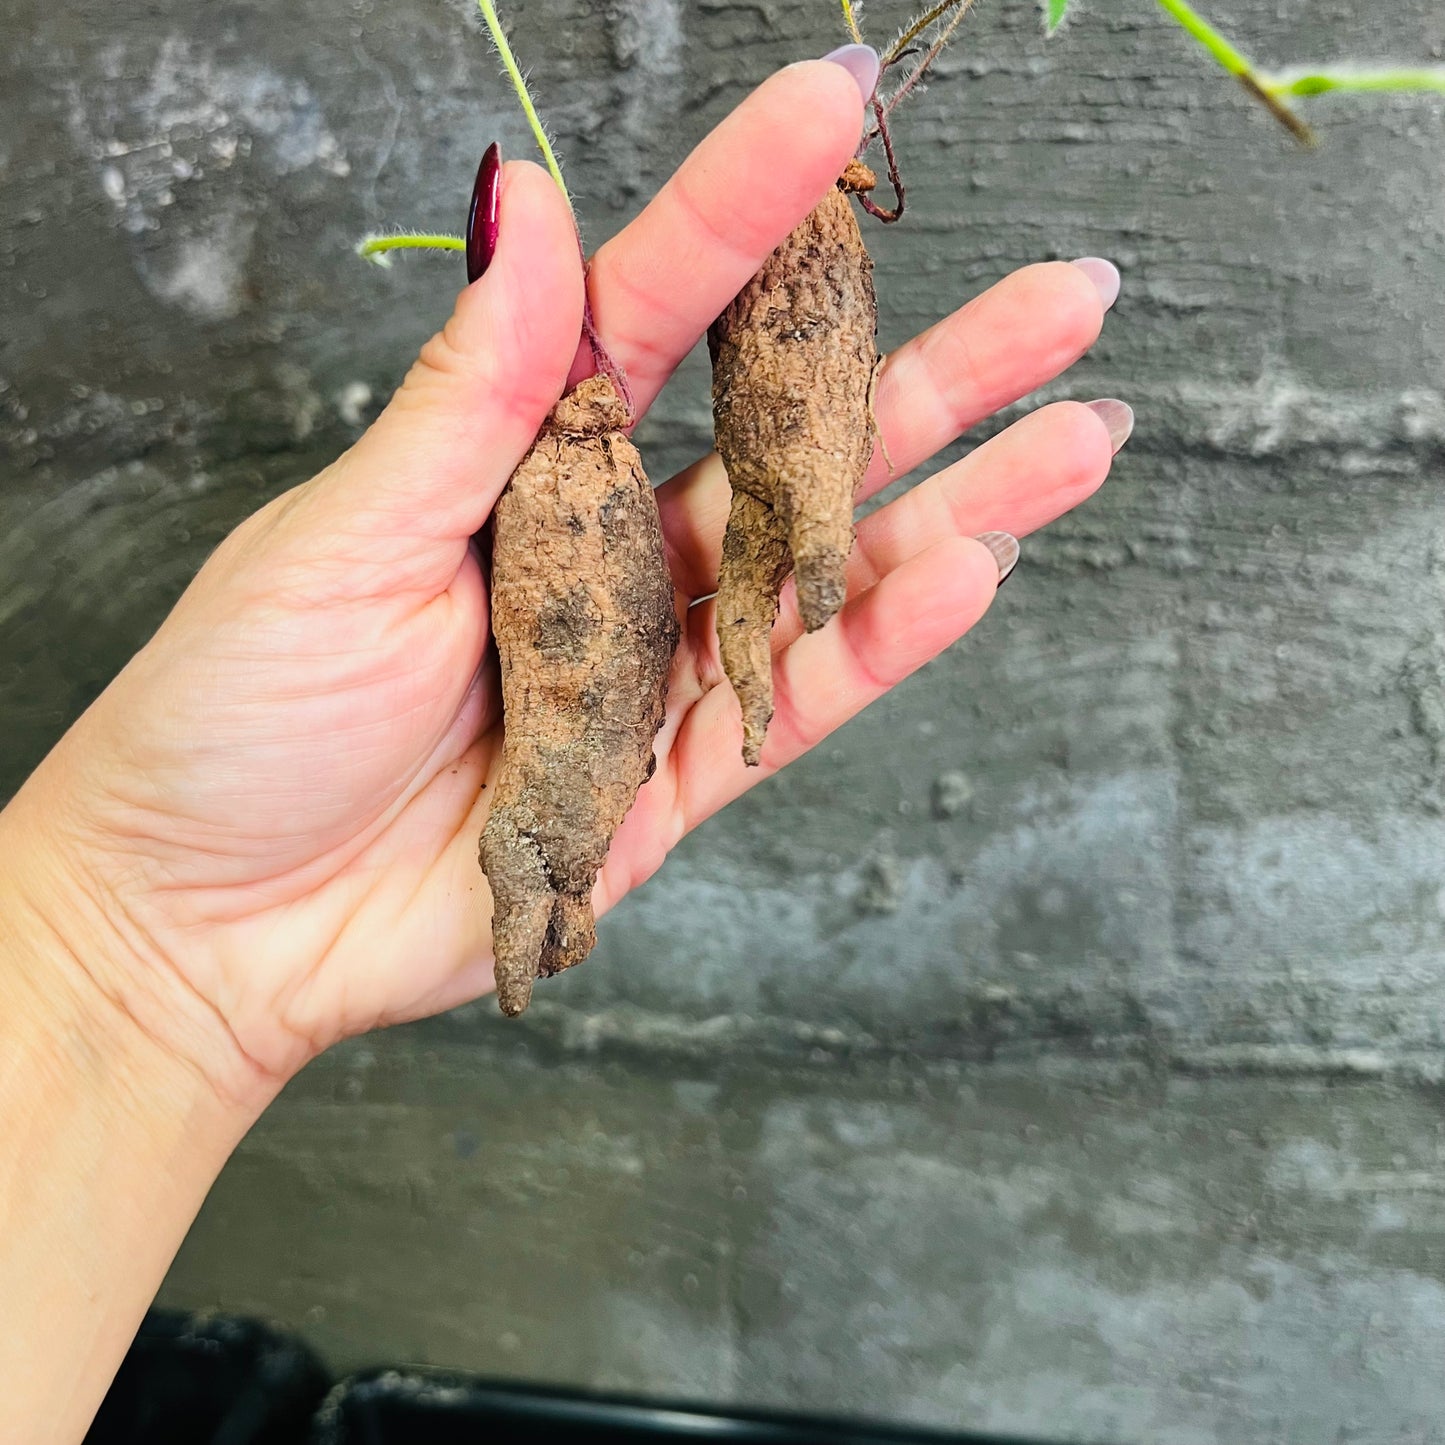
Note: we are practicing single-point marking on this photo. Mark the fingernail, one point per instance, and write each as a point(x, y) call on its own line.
point(862, 63)
point(1118, 416)
point(1105, 276)
point(1005, 549)
point(483, 217)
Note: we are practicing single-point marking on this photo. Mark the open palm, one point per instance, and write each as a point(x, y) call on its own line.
point(291, 778)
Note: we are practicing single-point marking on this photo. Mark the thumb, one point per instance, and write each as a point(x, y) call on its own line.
point(438, 457)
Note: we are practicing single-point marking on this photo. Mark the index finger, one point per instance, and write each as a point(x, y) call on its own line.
point(660, 282)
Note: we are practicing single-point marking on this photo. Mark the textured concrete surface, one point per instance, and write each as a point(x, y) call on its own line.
point(1179, 800)
point(1062, 1251)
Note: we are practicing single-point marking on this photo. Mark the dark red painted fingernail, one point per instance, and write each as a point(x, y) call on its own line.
point(483, 219)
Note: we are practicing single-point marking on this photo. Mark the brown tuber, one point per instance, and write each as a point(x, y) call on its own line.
point(583, 615)
point(793, 357)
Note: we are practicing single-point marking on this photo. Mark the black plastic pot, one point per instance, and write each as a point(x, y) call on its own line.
point(390, 1407)
point(197, 1380)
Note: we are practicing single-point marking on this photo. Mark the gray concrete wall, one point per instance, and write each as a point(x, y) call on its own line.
point(1192, 861)
point(1066, 1250)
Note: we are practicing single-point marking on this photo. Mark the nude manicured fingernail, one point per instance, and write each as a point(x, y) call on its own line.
point(1005, 549)
point(862, 63)
point(1105, 276)
point(1118, 416)
point(484, 214)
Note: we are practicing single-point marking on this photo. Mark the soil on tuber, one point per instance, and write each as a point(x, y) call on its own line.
point(585, 623)
point(794, 357)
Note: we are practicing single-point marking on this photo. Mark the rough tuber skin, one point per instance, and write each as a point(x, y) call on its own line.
point(793, 361)
point(585, 623)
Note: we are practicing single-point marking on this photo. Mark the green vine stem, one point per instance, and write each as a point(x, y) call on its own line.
point(1349, 78)
point(1272, 90)
point(519, 84)
point(600, 354)
point(1237, 64)
point(378, 249)
point(1196, 25)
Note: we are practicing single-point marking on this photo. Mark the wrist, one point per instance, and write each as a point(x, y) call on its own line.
point(111, 1139)
point(77, 971)
point(58, 1024)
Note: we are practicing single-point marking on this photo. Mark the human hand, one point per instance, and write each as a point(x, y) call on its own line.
point(272, 814)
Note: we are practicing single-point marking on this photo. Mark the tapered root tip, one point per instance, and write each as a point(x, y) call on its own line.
point(571, 935)
point(755, 732)
point(820, 595)
point(522, 902)
point(513, 996)
point(820, 565)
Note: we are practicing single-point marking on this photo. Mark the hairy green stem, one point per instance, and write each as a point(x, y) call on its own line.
point(378, 248)
point(915, 28)
point(519, 84)
point(961, 9)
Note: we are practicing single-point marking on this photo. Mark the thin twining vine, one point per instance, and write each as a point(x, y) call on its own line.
point(936, 26)
point(923, 39)
point(379, 248)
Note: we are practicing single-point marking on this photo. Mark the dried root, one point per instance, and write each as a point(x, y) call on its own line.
point(793, 361)
point(583, 614)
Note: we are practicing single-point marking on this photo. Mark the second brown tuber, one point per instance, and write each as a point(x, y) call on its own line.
point(794, 357)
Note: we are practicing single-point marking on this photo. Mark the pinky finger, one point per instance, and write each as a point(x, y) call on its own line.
point(917, 610)
point(825, 678)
